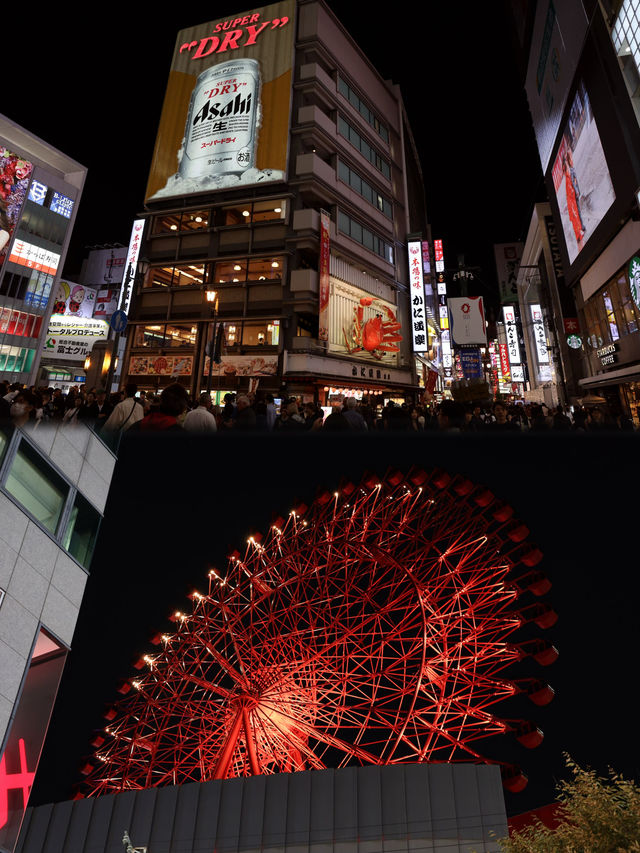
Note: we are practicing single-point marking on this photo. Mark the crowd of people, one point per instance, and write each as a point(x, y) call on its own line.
point(173, 410)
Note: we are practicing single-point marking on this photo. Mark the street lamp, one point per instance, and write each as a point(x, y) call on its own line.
point(212, 299)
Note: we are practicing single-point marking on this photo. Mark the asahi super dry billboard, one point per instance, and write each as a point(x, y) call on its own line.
point(225, 119)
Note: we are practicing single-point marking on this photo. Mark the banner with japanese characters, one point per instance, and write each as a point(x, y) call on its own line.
point(325, 286)
point(508, 257)
point(539, 334)
point(72, 338)
point(468, 325)
point(511, 330)
point(417, 297)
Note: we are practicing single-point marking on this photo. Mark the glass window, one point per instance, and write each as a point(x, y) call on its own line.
point(149, 336)
point(193, 220)
point(350, 133)
point(82, 531)
point(611, 317)
point(180, 336)
point(354, 99)
point(241, 270)
point(246, 213)
point(629, 309)
point(186, 275)
point(364, 188)
point(365, 236)
point(37, 487)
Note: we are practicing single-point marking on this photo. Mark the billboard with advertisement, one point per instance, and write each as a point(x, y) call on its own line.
point(225, 118)
point(72, 338)
point(508, 258)
point(105, 267)
point(15, 173)
point(364, 326)
point(557, 38)
point(581, 179)
point(73, 300)
point(468, 324)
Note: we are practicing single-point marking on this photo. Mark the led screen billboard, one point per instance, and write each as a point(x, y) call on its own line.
point(225, 118)
point(583, 186)
point(15, 172)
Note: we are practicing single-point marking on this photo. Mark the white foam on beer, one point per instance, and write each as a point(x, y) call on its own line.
point(176, 185)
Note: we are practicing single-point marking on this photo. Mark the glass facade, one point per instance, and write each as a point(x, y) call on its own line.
point(363, 235)
point(368, 115)
point(364, 188)
point(361, 144)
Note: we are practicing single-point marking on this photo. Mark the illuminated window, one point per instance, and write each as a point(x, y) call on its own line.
point(252, 333)
point(244, 270)
point(172, 223)
point(185, 275)
point(611, 317)
point(37, 487)
point(161, 336)
point(629, 309)
point(243, 213)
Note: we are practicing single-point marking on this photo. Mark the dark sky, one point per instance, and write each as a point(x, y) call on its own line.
point(96, 92)
point(176, 507)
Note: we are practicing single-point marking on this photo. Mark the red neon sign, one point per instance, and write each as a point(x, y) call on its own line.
point(12, 781)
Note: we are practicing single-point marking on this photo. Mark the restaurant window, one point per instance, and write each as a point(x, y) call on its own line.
point(37, 487)
point(81, 531)
point(242, 270)
point(185, 275)
point(272, 210)
point(161, 336)
point(252, 333)
point(193, 220)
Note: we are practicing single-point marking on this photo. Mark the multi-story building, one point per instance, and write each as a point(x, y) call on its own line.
point(581, 64)
point(300, 241)
point(39, 194)
point(53, 489)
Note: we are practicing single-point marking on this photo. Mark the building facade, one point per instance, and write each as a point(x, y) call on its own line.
point(53, 489)
point(306, 263)
point(453, 807)
point(39, 195)
point(581, 67)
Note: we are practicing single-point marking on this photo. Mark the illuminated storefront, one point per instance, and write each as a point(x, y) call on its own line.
point(39, 192)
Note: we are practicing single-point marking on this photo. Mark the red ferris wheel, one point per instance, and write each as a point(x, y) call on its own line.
point(374, 627)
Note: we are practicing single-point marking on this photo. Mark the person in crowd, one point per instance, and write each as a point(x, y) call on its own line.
point(352, 415)
point(166, 416)
point(126, 413)
point(598, 422)
point(451, 416)
point(502, 423)
point(72, 413)
point(561, 420)
point(23, 408)
point(245, 416)
point(290, 419)
point(200, 419)
point(272, 411)
point(313, 416)
point(336, 421)
point(103, 409)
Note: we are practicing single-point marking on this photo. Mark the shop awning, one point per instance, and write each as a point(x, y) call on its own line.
point(612, 377)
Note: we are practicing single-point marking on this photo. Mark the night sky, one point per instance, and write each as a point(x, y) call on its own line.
point(178, 506)
point(96, 93)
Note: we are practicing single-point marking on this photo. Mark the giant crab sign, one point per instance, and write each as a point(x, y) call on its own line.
point(378, 334)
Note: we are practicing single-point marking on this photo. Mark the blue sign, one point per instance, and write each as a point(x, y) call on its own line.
point(61, 204)
point(118, 321)
point(37, 192)
point(471, 362)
